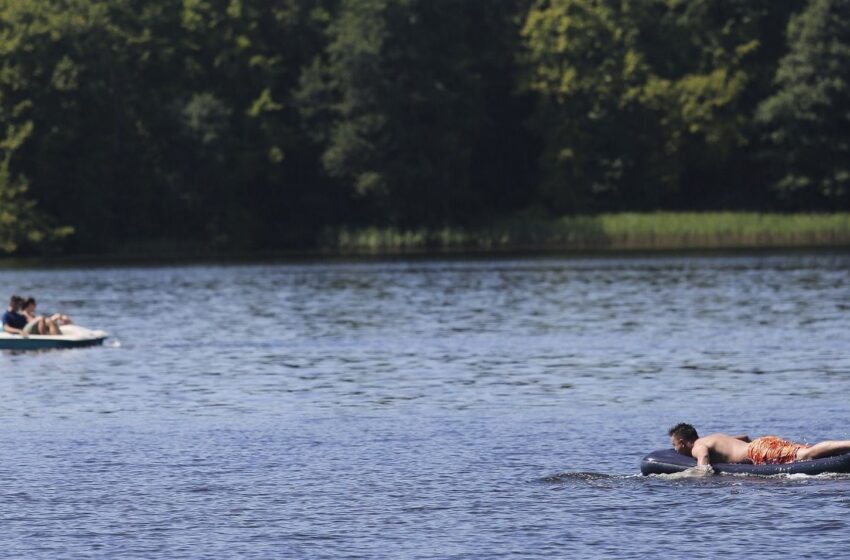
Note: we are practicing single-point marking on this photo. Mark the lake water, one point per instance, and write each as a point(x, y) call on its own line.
point(424, 409)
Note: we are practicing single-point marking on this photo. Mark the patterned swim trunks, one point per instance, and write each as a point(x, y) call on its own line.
point(773, 450)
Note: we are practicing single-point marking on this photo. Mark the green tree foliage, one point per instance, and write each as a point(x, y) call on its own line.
point(400, 103)
point(164, 119)
point(241, 163)
point(716, 65)
point(576, 54)
point(808, 118)
point(254, 124)
point(85, 159)
point(648, 99)
point(22, 225)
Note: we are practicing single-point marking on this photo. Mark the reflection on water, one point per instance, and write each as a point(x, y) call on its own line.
point(423, 408)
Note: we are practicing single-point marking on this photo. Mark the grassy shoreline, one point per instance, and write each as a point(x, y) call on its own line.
point(622, 231)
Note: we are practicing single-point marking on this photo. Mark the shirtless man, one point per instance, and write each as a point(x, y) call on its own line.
point(722, 448)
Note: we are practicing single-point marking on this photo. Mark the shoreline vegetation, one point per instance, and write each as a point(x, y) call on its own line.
point(616, 232)
point(619, 232)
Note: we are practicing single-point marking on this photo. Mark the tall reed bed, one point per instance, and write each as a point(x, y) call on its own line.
point(658, 230)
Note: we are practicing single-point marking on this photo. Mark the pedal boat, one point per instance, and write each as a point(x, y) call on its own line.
point(73, 336)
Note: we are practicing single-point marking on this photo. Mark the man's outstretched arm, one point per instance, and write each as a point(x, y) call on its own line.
point(701, 453)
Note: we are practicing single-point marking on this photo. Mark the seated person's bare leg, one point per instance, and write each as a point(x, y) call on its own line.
point(53, 328)
point(36, 326)
point(823, 449)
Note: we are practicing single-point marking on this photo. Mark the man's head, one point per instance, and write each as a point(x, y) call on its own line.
point(29, 304)
point(15, 303)
point(683, 436)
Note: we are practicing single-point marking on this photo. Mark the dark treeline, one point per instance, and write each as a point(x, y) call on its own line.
point(257, 125)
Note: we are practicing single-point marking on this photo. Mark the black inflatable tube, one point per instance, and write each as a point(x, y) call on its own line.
point(668, 461)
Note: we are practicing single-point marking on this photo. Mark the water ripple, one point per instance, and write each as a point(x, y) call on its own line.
point(459, 408)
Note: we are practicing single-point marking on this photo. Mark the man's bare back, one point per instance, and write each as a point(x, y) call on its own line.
point(721, 448)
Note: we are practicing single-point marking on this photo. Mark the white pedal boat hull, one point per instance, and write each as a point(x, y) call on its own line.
point(73, 336)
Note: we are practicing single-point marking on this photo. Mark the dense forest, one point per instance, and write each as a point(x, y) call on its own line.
point(250, 125)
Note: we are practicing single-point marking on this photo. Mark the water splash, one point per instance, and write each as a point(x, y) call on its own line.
point(582, 476)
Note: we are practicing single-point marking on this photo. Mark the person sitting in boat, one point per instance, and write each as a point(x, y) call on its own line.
point(13, 321)
point(28, 310)
point(16, 322)
point(723, 448)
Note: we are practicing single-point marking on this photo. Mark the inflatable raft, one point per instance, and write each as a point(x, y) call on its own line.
point(73, 336)
point(668, 461)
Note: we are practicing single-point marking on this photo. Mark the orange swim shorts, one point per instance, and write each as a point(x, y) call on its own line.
point(773, 450)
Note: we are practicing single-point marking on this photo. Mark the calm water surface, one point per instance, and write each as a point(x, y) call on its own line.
point(427, 409)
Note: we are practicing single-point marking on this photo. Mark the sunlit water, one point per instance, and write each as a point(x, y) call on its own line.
point(424, 409)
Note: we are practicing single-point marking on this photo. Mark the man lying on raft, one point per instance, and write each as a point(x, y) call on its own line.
point(722, 448)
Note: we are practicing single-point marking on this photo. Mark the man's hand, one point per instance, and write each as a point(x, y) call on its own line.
point(704, 470)
point(698, 471)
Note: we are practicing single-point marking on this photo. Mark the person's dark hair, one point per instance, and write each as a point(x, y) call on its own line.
point(15, 302)
point(683, 431)
point(29, 301)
